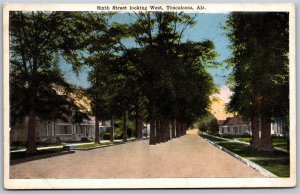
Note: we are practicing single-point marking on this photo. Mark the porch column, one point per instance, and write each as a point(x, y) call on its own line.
point(52, 130)
point(47, 129)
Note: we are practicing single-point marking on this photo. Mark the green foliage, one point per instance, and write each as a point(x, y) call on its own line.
point(208, 124)
point(86, 139)
point(105, 136)
point(172, 73)
point(119, 128)
point(260, 78)
point(36, 40)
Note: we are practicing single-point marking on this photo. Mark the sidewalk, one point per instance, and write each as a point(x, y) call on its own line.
point(71, 144)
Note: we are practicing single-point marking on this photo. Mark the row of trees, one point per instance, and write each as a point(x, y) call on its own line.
point(260, 77)
point(162, 80)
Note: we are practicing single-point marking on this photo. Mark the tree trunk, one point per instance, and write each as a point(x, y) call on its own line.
point(138, 124)
point(168, 129)
point(164, 129)
point(152, 132)
point(158, 137)
point(31, 144)
point(173, 125)
point(97, 134)
point(152, 126)
point(185, 128)
point(54, 129)
point(265, 143)
point(125, 126)
point(112, 128)
point(177, 127)
point(255, 131)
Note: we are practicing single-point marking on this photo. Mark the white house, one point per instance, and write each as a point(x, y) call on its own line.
point(237, 126)
point(234, 126)
point(278, 127)
point(54, 131)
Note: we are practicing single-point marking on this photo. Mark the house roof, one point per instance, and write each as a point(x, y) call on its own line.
point(236, 120)
point(221, 122)
point(78, 97)
point(90, 122)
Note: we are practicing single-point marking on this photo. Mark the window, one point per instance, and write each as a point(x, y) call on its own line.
point(66, 129)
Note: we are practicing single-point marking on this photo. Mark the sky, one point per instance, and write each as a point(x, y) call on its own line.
point(208, 26)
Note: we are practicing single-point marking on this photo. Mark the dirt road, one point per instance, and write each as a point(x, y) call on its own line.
point(187, 156)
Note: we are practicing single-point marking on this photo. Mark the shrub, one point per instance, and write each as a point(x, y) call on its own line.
point(106, 136)
point(246, 135)
point(58, 140)
point(85, 139)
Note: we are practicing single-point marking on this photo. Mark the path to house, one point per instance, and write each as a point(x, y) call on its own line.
point(187, 156)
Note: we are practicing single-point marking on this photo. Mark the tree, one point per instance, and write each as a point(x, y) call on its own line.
point(208, 124)
point(260, 78)
point(36, 40)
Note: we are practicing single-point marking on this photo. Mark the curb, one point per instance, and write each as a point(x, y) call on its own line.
point(105, 146)
point(31, 158)
point(249, 163)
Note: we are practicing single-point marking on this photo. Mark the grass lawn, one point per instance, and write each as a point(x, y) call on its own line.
point(277, 142)
point(243, 139)
point(280, 143)
point(276, 162)
point(279, 167)
point(93, 145)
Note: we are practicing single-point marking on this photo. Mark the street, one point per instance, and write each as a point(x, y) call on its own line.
point(187, 156)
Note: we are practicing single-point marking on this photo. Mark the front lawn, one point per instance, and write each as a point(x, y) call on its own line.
point(243, 139)
point(280, 143)
point(279, 167)
point(277, 142)
point(276, 162)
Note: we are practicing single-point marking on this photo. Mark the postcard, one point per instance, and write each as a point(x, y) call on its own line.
point(125, 96)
